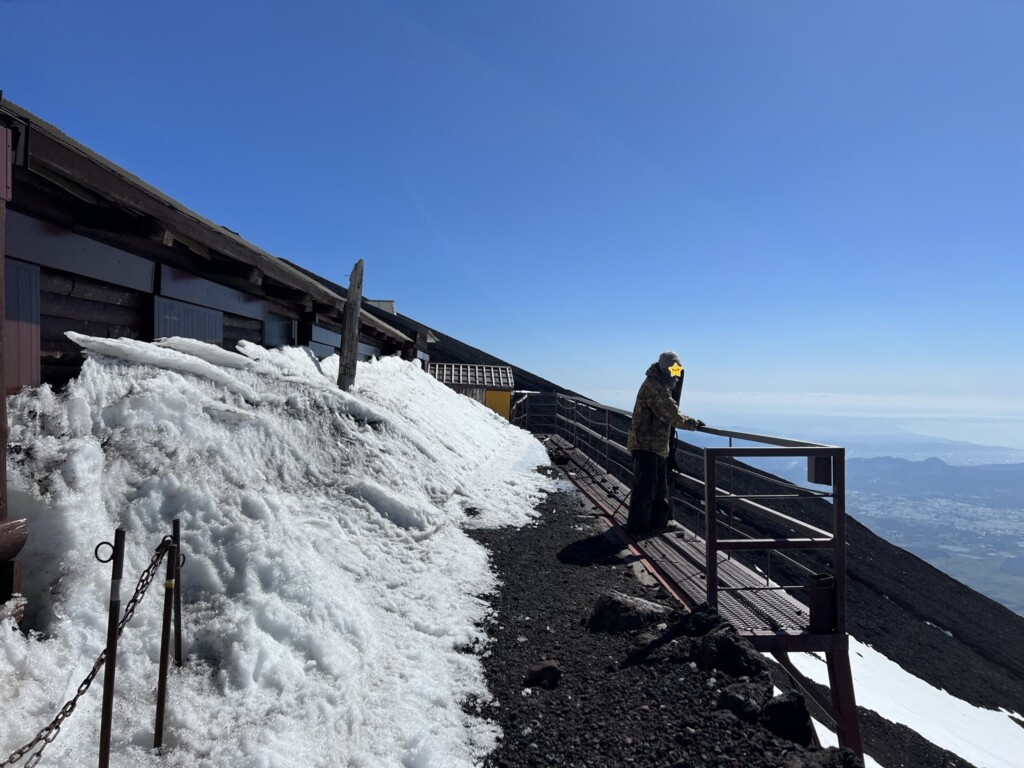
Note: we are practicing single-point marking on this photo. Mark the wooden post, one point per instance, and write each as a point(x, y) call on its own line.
point(5, 196)
point(9, 577)
point(350, 329)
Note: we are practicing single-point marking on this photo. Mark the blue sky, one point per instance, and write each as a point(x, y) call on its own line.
point(820, 206)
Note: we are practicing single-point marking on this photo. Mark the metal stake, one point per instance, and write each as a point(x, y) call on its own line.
point(165, 641)
point(110, 664)
point(178, 557)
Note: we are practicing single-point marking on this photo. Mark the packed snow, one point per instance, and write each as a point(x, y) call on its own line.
point(330, 588)
point(983, 737)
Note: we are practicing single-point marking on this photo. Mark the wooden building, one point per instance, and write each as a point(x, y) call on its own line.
point(492, 385)
point(94, 249)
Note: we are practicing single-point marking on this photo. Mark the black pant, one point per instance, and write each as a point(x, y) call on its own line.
point(648, 501)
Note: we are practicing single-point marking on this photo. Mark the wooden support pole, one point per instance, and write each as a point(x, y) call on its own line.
point(9, 578)
point(5, 196)
point(350, 329)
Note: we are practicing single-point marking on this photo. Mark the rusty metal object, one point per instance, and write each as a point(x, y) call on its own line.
point(179, 564)
point(165, 642)
point(113, 618)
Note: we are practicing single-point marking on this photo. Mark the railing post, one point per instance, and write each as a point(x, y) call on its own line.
point(110, 664)
point(165, 641)
point(178, 557)
point(839, 535)
point(607, 439)
point(711, 527)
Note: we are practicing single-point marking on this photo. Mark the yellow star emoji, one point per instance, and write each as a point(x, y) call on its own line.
point(676, 370)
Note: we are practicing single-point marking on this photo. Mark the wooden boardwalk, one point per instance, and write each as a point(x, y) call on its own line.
point(766, 615)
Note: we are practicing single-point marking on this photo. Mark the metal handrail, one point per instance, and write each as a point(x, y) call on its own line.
point(588, 426)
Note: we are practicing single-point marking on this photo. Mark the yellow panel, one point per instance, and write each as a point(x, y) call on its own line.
point(498, 401)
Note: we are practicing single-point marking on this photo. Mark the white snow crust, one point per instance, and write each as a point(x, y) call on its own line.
point(329, 581)
point(983, 737)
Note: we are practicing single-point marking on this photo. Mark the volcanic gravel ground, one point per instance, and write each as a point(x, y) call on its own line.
point(628, 698)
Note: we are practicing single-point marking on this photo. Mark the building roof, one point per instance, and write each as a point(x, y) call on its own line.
point(218, 237)
point(467, 375)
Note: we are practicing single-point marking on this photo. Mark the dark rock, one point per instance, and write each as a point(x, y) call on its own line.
point(723, 649)
point(543, 674)
point(787, 717)
point(698, 622)
point(616, 612)
point(826, 758)
point(616, 704)
point(746, 698)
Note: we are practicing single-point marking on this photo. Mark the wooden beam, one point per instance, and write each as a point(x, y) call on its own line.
point(350, 330)
point(5, 196)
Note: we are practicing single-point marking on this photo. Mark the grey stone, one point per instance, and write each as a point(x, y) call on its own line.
point(616, 612)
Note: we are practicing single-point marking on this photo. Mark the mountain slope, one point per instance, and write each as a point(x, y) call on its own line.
point(927, 622)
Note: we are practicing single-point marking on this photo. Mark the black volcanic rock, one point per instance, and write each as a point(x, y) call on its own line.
point(626, 698)
point(786, 715)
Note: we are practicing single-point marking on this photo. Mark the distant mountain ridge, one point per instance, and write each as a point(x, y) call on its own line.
point(999, 485)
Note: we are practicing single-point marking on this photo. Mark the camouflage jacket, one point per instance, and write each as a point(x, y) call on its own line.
point(655, 415)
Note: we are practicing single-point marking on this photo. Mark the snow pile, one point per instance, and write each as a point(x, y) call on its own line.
point(329, 582)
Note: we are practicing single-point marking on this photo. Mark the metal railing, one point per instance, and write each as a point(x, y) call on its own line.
point(738, 508)
point(826, 466)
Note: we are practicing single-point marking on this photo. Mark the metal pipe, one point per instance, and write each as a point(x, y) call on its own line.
point(839, 526)
point(110, 664)
point(177, 591)
point(165, 641)
point(774, 544)
point(770, 440)
point(752, 506)
point(710, 533)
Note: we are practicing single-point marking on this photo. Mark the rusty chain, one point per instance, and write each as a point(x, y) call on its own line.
point(49, 732)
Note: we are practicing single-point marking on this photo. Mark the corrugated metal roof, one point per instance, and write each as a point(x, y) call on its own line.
point(464, 374)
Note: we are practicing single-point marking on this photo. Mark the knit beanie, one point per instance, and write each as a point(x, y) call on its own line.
point(667, 359)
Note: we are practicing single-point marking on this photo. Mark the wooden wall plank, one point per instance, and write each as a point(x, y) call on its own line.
point(66, 284)
point(176, 284)
point(74, 308)
point(40, 243)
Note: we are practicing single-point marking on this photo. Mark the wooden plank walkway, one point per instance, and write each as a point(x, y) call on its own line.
point(771, 618)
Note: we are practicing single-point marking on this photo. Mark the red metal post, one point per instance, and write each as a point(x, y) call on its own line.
point(165, 642)
point(839, 534)
point(178, 558)
point(113, 618)
point(710, 527)
point(844, 702)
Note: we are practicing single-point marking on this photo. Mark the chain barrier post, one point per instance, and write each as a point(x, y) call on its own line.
point(117, 556)
point(180, 561)
point(165, 641)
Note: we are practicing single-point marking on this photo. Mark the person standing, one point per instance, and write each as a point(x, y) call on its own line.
point(655, 417)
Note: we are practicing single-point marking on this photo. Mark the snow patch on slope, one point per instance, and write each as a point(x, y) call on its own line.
point(329, 582)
